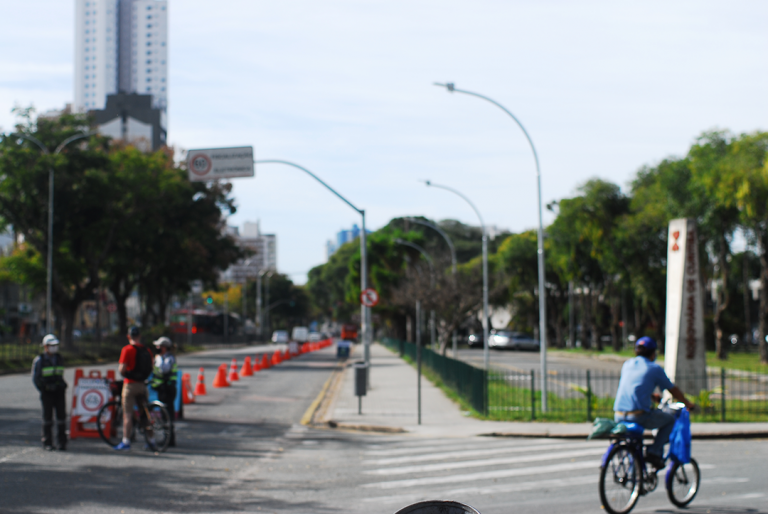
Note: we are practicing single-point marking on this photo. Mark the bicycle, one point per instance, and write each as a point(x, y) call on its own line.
point(154, 415)
point(625, 475)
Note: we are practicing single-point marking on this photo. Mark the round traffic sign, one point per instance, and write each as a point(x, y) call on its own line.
point(200, 164)
point(92, 400)
point(369, 297)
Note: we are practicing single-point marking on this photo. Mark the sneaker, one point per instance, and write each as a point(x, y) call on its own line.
point(122, 447)
point(48, 448)
point(657, 461)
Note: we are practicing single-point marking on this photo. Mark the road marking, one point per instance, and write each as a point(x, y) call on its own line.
point(445, 466)
point(11, 456)
point(725, 480)
point(486, 475)
point(493, 489)
point(478, 452)
point(485, 443)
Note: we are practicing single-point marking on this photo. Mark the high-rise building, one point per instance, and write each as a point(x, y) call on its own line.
point(120, 46)
point(343, 236)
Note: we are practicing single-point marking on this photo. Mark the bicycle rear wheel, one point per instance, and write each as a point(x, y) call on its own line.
point(160, 423)
point(683, 483)
point(109, 422)
point(620, 481)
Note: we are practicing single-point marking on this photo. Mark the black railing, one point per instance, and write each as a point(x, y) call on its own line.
point(465, 380)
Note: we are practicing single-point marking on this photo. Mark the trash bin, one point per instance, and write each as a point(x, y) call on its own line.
point(361, 378)
point(342, 349)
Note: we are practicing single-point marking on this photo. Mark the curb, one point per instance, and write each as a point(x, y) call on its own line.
point(714, 435)
point(366, 428)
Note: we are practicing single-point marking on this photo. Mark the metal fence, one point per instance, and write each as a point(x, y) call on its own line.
point(467, 381)
point(726, 395)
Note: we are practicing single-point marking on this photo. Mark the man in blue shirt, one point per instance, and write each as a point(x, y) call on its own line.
point(639, 379)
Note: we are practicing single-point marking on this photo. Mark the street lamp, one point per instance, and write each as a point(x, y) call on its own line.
point(365, 321)
point(259, 315)
point(542, 299)
point(49, 266)
point(486, 354)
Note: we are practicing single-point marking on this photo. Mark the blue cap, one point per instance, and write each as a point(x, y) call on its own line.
point(646, 342)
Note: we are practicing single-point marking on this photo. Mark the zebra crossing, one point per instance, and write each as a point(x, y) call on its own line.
point(403, 470)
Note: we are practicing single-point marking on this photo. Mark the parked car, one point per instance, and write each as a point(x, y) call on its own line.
point(508, 339)
point(315, 337)
point(475, 340)
point(280, 336)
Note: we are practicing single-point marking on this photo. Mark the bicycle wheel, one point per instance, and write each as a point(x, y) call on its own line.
point(160, 422)
point(620, 481)
point(109, 422)
point(683, 483)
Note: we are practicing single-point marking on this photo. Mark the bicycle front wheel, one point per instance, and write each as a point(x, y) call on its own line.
point(109, 422)
point(620, 481)
point(160, 423)
point(683, 483)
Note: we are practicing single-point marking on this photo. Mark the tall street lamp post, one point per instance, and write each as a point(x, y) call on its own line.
point(542, 299)
point(49, 266)
point(365, 321)
point(486, 354)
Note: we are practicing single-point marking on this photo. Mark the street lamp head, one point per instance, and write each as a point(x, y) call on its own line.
point(449, 86)
point(428, 183)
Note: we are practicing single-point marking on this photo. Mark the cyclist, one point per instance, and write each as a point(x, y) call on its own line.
point(47, 374)
point(164, 379)
point(640, 377)
point(135, 366)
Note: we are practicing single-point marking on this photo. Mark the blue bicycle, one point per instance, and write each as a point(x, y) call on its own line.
point(625, 476)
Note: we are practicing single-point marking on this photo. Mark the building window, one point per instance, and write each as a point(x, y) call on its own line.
point(162, 89)
point(149, 43)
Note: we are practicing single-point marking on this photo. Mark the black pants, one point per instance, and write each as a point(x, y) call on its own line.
point(54, 401)
point(167, 395)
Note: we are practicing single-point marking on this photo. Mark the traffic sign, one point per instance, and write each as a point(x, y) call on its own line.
point(217, 163)
point(369, 297)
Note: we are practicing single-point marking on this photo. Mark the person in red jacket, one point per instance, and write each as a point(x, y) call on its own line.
point(136, 363)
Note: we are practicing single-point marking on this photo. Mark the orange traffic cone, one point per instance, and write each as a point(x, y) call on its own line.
point(186, 389)
point(276, 358)
point(233, 376)
point(200, 385)
point(246, 370)
point(265, 361)
point(221, 377)
point(287, 355)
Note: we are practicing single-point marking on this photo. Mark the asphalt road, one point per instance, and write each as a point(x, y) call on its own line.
point(242, 450)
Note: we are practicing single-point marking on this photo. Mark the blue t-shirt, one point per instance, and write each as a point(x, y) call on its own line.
point(639, 378)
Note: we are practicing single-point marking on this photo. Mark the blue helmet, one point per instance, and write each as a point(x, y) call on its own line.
point(646, 342)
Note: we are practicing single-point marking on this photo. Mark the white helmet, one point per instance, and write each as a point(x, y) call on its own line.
point(163, 341)
point(50, 340)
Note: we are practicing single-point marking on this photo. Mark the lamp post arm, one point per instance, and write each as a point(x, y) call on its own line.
point(445, 236)
point(70, 139)
point(452, 89)
point(302, 168)
point(429, 183)
point(32, 139)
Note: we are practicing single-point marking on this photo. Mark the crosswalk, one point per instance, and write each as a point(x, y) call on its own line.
point(403, 470)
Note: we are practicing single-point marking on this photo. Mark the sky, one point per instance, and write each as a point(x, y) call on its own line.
point(345, 89)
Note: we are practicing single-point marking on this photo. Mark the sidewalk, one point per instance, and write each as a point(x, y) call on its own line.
point(391, 406)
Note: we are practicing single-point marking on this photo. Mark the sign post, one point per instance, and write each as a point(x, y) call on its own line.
point(684, 353)
point(218, 163)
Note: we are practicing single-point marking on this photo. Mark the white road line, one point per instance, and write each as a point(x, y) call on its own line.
point(400, 450)
point(444, 466)
point(724, 480)
point(11, 456)
point(478, 453)
point(487, 475)
point(501, 488)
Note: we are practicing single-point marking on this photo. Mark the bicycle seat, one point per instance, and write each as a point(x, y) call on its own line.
point(628, 427)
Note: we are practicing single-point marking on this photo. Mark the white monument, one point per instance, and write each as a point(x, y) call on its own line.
point(684, 354)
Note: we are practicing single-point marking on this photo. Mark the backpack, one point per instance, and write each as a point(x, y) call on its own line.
point(143, 366)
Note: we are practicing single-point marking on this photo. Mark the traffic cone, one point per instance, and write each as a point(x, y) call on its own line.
point(264, 361)
point(287, 355)
point(221, 377)
point(233, 377)
point(256, 364)
point(246, 370)
point(200, 385)
point(186, 389)
point(276, 358)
